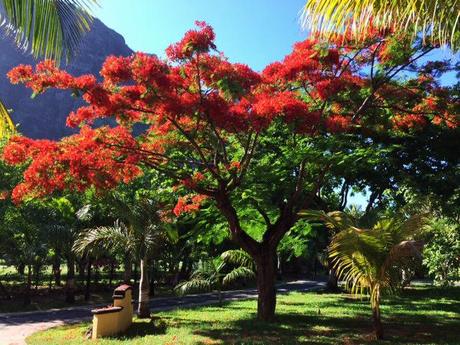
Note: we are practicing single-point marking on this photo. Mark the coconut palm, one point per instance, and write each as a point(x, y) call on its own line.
point(46, 28)
point(438, 19)
point(371, 260)
point(138, 233)
point(213, 273)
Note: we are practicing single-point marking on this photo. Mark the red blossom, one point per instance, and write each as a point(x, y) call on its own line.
point(338, 124)
point(201, 41)
point(409, 121)
point(188, 204)
point(116, 69)
point(195, 96)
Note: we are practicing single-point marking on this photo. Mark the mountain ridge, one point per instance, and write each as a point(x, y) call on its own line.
point(44, 116)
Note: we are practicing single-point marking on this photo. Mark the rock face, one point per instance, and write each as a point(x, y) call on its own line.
point(45, 115)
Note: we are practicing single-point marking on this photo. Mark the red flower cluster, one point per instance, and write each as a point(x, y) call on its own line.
point(75, 163)
point(338, 124)
point(47, 75)
point(189, 100)
point(193, 181)
point(189, 204)
point(287, 105)
point(409, 121)
point(194, 41)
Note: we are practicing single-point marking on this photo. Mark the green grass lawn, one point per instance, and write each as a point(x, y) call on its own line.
point(417, 316)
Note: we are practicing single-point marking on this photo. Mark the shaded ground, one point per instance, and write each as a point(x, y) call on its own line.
point(418, 316)
point(15, 327)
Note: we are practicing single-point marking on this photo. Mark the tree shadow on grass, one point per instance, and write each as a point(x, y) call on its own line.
point(144, 327)
point(354, 327)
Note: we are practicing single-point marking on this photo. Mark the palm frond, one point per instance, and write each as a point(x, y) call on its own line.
point(194, 285)
point(48, 28)
point(106, 237)
point(366, 258)
point(238, 257)
point(434, 18)
point(403, 250)
point(334, 220)
point(238, 274)
point(7, 127)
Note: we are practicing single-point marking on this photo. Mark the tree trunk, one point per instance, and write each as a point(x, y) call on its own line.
point(332, 281)
point(88, 281)
point(81, 270)
point(111, 273)
point(266, 277)
point(135, 274)
point(152, 279)
point(143, 309)
point(37, 269)
point(263, 253)
point(128, 270)
point(377, 322)
point(28, 285)
point(220, 296)
point(70, 283)
point(4, 291)
point(57, 269)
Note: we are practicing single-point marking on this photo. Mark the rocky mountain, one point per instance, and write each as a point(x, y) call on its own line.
point(45, 115)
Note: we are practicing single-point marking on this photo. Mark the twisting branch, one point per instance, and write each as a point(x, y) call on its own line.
point(262, 212)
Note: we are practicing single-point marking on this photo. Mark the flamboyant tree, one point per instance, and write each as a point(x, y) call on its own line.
point(212, 126)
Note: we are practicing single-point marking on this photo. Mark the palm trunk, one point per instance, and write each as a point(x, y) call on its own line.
point(128, 270)
point(28, 285)
point(220, 297)
point(37, 269)
point(70, 284)
point(57, 269)
point(332, 281)
point(135, 274)
point(375, 304)
point(111, 273)
point(152, 279)
point(143, 309)
point(88, 281)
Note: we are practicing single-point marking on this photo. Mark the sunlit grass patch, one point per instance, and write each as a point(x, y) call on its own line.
point(420, 316)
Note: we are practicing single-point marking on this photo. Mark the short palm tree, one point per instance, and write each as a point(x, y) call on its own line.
point(213, 273)
point(46, 28)
point(137, 234)
point(371, 260)
point(439, 19)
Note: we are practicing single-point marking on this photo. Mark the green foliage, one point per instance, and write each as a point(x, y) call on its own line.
point(442, 251)
point(215, 273)
point(433, 20)
point(52, 29)
point(370, 258)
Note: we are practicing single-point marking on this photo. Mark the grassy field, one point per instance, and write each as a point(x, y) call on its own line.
point(417, 316)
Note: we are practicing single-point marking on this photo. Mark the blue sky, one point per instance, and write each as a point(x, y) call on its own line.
point(255, 32)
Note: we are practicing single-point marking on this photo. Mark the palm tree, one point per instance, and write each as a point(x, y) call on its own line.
point(137, 234)
point(438, 19)
point(212, 273)
point(371, 260)
point(6, 124)
point(47, 28)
